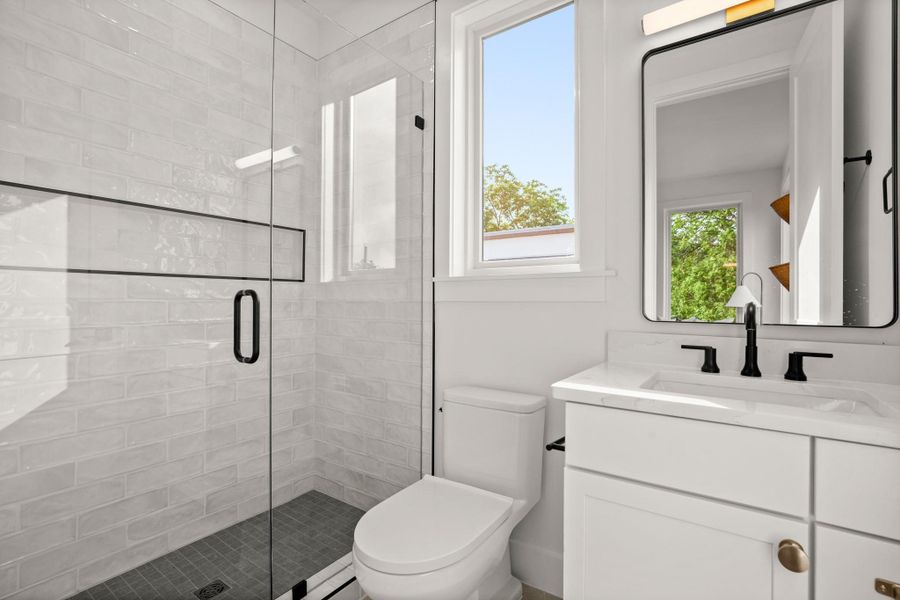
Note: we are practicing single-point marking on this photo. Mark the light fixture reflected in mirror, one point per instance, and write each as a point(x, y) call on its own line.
point(742, 295)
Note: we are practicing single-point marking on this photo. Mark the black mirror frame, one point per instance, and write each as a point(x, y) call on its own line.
point(894, 189)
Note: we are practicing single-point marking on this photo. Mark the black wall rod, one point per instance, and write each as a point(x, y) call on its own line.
point(866, 157)
point(559, 444)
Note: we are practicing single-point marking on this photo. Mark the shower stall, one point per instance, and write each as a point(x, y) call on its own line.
point(215, 321)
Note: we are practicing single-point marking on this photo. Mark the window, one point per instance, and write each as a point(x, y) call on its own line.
point(373, 177)
point(359, 171)
point(510, 98)
point(703, 263)
point(527, 170)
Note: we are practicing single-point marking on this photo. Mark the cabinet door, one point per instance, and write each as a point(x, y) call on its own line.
point(847, 564)
point(627, 541)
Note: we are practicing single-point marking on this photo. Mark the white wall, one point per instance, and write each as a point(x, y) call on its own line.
point(526, 346)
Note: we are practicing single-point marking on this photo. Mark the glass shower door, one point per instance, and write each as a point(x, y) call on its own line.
point(134, 429)
point(136, 267)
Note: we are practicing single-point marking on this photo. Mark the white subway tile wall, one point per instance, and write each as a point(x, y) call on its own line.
point(373, 348)
point(134, 430)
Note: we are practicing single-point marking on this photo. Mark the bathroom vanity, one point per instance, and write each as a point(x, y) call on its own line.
point(691, 485)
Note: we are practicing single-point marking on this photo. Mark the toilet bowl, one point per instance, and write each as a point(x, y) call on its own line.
point(448, 538)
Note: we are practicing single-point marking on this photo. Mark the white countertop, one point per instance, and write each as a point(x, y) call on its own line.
point(621, 385)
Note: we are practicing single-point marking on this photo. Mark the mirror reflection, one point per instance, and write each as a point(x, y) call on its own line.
point(765, 150)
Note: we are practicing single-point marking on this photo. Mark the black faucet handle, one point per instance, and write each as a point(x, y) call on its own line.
point(709, 357)
point(795, 364)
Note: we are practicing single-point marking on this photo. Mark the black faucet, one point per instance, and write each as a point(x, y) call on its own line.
point(709, 357)
point(751, 366)
point(795, 364)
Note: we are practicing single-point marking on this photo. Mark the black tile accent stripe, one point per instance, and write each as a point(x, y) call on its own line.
point(310, 533)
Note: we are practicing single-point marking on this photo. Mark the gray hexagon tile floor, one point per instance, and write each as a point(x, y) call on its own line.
point(310, 533)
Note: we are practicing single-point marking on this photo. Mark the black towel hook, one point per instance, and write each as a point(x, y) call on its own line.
point(866, 157)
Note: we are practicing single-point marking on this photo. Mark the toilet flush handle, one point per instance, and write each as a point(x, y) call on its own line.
point(559, 444)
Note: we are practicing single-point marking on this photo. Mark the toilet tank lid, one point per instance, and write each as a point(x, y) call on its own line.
point(495, 399)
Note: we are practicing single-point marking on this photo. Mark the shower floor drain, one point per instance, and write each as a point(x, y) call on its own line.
point(211, 590)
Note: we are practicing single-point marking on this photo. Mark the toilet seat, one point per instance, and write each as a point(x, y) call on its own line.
point(428, 526)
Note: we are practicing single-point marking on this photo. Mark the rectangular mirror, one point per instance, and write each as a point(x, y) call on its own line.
point(769, 149)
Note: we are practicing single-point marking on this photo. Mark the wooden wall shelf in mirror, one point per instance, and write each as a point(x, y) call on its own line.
point(782, 208)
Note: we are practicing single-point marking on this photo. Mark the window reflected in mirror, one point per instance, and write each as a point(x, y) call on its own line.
point(369, 183)
point(373, 177)
point(703, 263)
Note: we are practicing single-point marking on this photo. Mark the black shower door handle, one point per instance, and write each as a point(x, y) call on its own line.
point(238, 298)
point(884, 192)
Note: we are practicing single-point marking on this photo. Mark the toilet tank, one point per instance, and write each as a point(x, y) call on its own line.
point(494, 440)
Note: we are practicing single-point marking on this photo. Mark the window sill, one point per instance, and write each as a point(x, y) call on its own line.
point(580, 286)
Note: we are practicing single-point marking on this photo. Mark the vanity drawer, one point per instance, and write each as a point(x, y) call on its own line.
point(858, 487)
point(758, 468)
point(847, 564)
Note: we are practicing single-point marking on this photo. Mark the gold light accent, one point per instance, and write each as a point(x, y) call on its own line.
point(748, 9)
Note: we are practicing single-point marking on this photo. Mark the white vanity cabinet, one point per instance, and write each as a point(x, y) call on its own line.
point(683, 509)
point(626, 541)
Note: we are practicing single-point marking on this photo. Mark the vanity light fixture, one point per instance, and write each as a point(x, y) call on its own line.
point(689, 10)
point(264, 156)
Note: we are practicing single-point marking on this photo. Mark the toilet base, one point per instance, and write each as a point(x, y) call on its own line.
point(500, 584)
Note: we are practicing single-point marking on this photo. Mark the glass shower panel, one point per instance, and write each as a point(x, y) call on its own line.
point(359, 188)
point(296, 528)
point(135, 218)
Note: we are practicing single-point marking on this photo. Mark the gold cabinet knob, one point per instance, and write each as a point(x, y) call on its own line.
point(792, 556)
point(888, 588)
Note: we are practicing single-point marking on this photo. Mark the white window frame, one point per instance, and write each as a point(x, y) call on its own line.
point(468, 31)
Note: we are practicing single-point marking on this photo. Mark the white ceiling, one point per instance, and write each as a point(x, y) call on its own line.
point(741, 130)
point(319, 27)
point(308, 30)
point(361, 17)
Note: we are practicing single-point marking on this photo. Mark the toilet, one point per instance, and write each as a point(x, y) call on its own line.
point(447, 538)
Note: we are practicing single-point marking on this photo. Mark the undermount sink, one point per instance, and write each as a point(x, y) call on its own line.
point(824, 398)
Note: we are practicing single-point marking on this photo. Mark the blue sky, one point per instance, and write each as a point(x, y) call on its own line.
point(529, 100)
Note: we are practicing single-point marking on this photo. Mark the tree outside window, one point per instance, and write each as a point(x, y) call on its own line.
point(511, 204)
point(703, 263)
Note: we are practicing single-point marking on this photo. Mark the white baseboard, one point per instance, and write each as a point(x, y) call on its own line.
point(537, 566)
